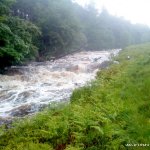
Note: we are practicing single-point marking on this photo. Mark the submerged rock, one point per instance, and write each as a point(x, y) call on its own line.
point(104, 64)
point(21, 111)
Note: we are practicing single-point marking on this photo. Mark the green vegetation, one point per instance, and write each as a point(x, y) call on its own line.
point(108, 114)
point(16, 37)
point(40, 29)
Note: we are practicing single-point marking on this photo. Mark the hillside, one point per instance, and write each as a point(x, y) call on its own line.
point(110, 113)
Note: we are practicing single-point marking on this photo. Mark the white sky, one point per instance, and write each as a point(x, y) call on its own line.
point(137, 11)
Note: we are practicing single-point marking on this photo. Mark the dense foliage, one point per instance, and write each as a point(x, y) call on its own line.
point(64, 25)
point(16, 37)
point(61, 30)
point(107, 115)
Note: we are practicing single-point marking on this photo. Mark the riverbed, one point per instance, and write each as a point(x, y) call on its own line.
point(27, 89)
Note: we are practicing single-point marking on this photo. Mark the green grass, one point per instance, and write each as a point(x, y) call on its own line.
point(110, 113)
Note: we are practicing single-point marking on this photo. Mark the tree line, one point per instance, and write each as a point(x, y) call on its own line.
point(39, 29)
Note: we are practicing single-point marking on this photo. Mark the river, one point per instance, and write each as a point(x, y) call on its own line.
point(27, 89)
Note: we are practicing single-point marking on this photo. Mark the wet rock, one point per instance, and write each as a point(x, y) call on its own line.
point(25, 94)
point(21, 111)
point(104, 64)
point(40, 63)
point(7, 96)
point(46, 84)
point(39, 107)
point(23, 97)
point(77, 68)
point(14, 70)
point(93, 66)
point(96, 59)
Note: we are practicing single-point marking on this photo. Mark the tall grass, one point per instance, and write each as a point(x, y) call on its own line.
point(108, 114)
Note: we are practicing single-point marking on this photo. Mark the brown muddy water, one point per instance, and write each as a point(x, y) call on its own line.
point(27, 89)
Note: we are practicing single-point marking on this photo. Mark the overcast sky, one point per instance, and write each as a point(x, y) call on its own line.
point(137, 11)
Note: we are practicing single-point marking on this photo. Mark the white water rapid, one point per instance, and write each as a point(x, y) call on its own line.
point(27, 89)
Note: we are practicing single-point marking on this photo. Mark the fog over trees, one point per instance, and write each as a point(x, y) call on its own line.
point(40, 29)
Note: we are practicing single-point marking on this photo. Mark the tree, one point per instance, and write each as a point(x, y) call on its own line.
point(59, 25)
point(16, 38)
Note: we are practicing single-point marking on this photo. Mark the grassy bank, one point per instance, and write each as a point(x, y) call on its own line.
point(111, 113)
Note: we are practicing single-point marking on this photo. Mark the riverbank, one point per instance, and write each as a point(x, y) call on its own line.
point(110, 113)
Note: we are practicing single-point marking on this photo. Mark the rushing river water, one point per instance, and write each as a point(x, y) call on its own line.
point(27, 89)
